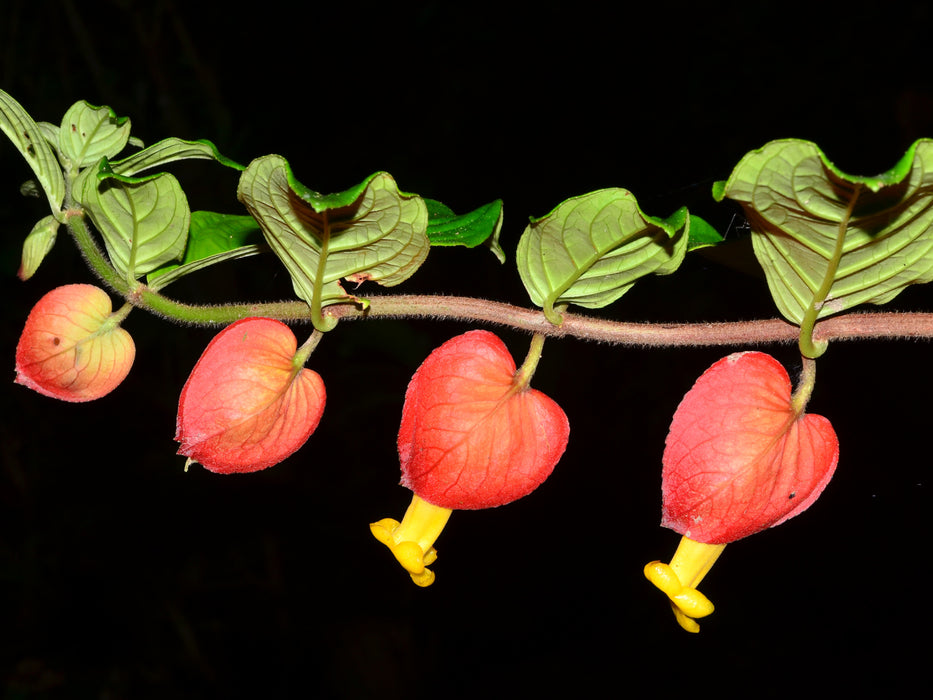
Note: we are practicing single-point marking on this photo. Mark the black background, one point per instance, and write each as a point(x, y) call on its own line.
point(125, 577)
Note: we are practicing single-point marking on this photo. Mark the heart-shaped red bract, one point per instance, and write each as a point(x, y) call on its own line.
point(67, 351)
point(738, 459)
point(246, 406)
point(470, 436)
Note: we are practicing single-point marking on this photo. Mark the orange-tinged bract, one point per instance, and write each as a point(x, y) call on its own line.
point(71, 348)
point(739, 458)
point(248, 404)
point(472, 436)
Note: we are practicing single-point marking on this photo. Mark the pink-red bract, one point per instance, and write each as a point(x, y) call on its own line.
point(246, 406)
point(470, 436)
point(738, 458)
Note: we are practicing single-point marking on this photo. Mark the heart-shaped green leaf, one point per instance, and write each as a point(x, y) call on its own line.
point(368, 232)
point(144, 224)
point(89, 133)
point(591, 249)
point(829, 241)
point(29, 140)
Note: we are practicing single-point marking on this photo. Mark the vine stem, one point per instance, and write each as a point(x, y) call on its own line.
point(93, 255)
point(449, 308)
point(845, 327)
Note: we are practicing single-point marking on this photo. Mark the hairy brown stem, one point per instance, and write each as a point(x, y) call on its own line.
point(847, 327)
point(450, 308)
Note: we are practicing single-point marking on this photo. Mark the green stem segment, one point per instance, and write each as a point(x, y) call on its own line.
point(524, 373)
point(304, 352)
point(95, 257)
point(805, 386)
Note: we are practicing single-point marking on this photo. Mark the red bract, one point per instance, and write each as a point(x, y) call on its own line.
point(71, 348)
point(471, 436)
point(739, 458)
point(246, 405)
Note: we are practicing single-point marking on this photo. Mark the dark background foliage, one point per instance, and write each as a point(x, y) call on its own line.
point(124, 577)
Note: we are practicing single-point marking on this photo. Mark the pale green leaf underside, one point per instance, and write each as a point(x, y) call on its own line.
point(168, 151)
point(26, 136)
point(89, 133)
point(591, 249)
point(164, 276)
point(144, 225)
point(37, 245)
point(795, 200)
point(377, 234)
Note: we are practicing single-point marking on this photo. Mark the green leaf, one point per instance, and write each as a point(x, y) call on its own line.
point(89, 133)
point(50, 133)
point(368, 232)
point(213, 233)
point(210, 238)
point(144, 224)
point(480, 226)
point(828, 241)
point(702, 235)
point(168, 151)
point(591, 249)
point(27, 137)
point(37, 245)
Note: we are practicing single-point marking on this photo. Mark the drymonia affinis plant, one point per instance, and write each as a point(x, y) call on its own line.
point(742, 453)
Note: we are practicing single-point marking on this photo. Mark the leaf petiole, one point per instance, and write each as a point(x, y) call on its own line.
point(317, 316)
point(808, 347)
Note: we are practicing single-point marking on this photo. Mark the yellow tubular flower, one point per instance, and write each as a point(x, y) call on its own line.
point(679, 580)
point(412, 540)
